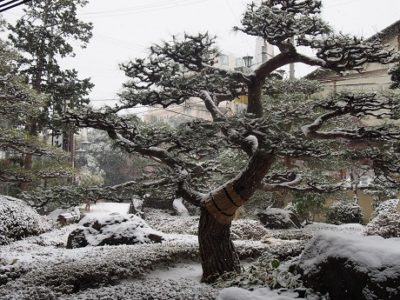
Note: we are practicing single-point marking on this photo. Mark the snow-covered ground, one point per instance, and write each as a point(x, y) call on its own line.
point(40, 267)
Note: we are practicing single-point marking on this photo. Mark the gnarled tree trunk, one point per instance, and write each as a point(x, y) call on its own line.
point(217, 252)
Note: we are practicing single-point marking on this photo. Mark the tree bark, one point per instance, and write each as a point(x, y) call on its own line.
point(254, 101)
point(217, 252)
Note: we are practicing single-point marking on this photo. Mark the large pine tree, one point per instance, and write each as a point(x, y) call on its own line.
point(183, 68)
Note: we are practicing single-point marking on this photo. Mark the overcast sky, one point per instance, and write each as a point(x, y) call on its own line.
point(124, 29)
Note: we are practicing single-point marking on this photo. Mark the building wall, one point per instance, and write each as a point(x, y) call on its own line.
point(373, 78)
point(191, 109)
point(194, 107)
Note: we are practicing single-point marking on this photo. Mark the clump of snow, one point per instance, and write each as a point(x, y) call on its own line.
point(101, 208)
point(112, 229)
point(234, 293)
point(342, 212)
point(18, 220)
point(179, 207)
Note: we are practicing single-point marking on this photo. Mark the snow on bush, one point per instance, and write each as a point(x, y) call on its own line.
point(386, 224)
point(168, 223)
point(344, 211)
point(245, 229)
point(385, 221)
point(352, 267)
point(112, 229)
point(182, 289)
point(388, 205)
point(241, 229)
point(353, 228)
point(277, 218)
point(18, 220)
point(234, 293)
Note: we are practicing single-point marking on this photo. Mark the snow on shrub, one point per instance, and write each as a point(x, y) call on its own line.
point(244, 229)
point(277, 218)
point(386, 224)
point(18, 220)
point(112, 229)
point(234, 293)
point(344, 211)
point(168, 223)
point(385, 206)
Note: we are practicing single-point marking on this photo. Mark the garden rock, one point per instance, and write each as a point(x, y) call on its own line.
point(113, 229)
point(277, 218)
point(19, 220)
point(352, 267)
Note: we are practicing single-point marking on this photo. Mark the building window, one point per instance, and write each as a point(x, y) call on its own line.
point(239, 62)
point(224, 60)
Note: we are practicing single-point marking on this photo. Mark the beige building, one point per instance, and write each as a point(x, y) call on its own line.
point(373, 77)
point(194, 108)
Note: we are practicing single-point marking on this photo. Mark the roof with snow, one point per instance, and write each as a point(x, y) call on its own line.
point(385, 34)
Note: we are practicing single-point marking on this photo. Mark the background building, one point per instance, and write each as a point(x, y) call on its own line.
point(373, 76)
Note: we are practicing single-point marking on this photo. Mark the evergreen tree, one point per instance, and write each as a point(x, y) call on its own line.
point(44, 35)
point(268, 135)
point(19, 104)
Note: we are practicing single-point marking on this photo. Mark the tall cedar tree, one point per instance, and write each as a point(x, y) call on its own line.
point(18, 105)
point(184, 67)
point(44, 35)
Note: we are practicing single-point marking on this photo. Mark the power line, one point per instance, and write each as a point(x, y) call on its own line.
point(132, 8)
point(149, 9)
point(11, 4)
point(345, 2)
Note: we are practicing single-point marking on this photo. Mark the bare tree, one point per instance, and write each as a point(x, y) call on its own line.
point(184, 67)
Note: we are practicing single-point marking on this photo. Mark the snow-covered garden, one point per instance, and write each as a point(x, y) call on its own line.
point(257, 188)
point(126, 257)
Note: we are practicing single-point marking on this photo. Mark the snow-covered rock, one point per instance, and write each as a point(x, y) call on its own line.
point(348, 266)
point(18, 220)
point(342, 212)
point(112, 229)
point(277, 218)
